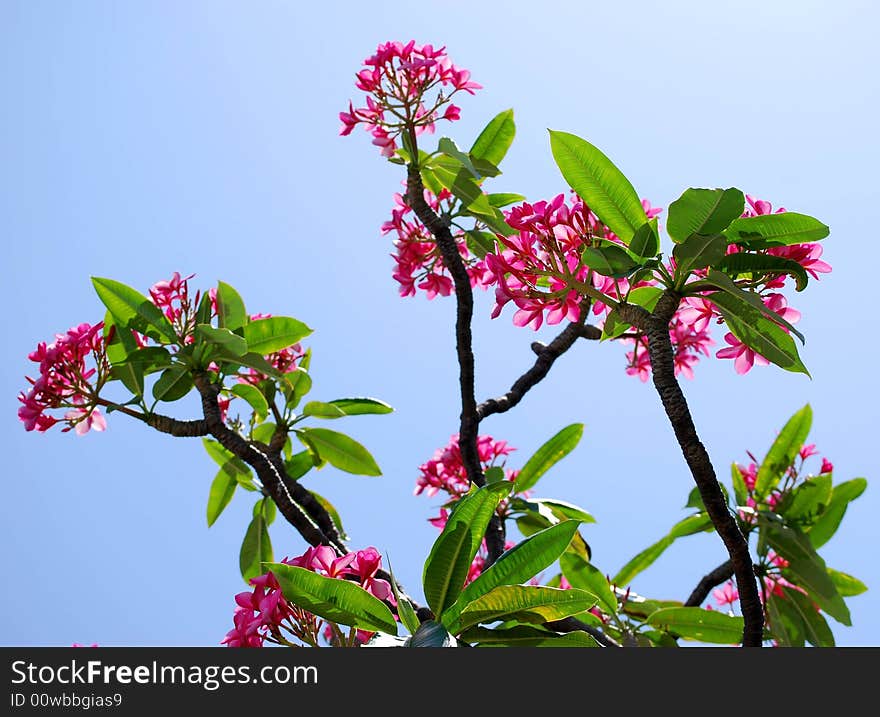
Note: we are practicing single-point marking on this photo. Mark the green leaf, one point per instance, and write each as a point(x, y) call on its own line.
point(463, 186)
point(452, 553)
point(317, 409)
point(688, 526)
point(299, 464)
point(525, 603)
point(218, 453)
point(118, 350)
point(222, 489)
point(827, 524)
point(846, 585)
point(526, 636)
point(503, 199)
point(558, 509)
point(267, 508)
point(173, 384)
point(703, 211)
point(255, 549)
point(231, 313)
point(697, 252)
point(432, 634)
point(695, 500)
point(807, 500)
point(645, 243)
point(610, 260)
point(693, 524)
point(266, 336)
point(769, 230)
point(299, 383)
point(336, 600)
point(759, 333)
point(405, 610)
point(131, 309)
point(254, 397)
point(559, 446)
point(740, 263)
point(783, 451)
point(725, 283)
point(816, 629)
point(806, 569)
point(495, 139)
point(740, 490)
point(204, 310)
point(361, 406)
point(494, 474)
point(251, 360)
point(640, 607)
point(232, 344)
point(341, 451)
point(785, 623)
point(695, 623)
point(450, 149)
point(581, 574)
point(332, 512)
point(599, 183)
point(480, 243)
point(149, 359)
point(644, 296)
point(517, 565)
point(263, 433)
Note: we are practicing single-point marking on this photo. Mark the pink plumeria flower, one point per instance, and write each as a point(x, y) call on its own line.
point(86, 420)
point(744, 357)
point(727, 595)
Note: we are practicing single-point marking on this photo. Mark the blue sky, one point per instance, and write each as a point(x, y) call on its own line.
point(142, 138)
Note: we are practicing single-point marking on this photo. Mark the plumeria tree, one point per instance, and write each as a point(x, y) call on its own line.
point(508, 567)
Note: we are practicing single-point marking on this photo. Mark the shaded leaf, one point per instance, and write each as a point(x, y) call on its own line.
point(828, 522)
point(231, 313)
point(703, 211)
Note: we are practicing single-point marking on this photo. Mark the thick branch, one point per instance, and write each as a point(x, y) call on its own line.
point(719, 575)
point(656, 328)
point(295, 502)
point(163, 424)
point(464, 298)
point(464, 302)
point(547, 355)
point(181, 429)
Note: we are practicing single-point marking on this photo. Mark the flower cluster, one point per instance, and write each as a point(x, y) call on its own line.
point(539, 267)
point(172, 297)
point(72, 369)
point(446, 471)
point(419, 263)
point(263, 614)
point(400, 82)
point(540, 270)
point(807, 255)
point(790, 480)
